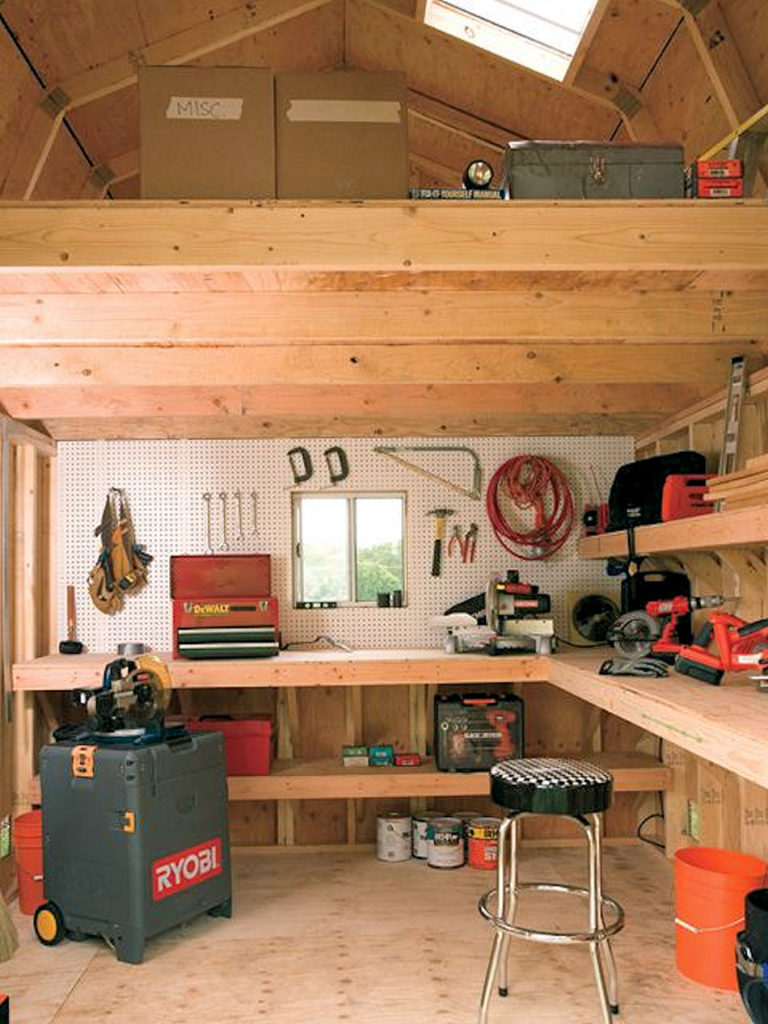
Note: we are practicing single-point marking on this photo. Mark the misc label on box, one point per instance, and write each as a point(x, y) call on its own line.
point(345, 110)
point(204, 108)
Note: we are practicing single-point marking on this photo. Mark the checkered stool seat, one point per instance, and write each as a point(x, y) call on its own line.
point(551, 785)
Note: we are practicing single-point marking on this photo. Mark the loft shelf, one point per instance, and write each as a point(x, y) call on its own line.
point(740, 528)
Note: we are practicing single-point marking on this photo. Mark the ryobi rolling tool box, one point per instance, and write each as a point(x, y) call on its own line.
point(222, 607)
point(135, 828)
point(474, 731)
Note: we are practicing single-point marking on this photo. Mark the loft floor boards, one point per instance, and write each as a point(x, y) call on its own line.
point(326, 938)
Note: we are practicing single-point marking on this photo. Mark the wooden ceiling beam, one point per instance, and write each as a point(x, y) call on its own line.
point(472, 128)
point(95, 367)
point(447, 176)
point(410, 424)
point(189, 45)
point(374, 402)
point(582, 50)
point(388, 235)
point(113, 171)
point(380, 316)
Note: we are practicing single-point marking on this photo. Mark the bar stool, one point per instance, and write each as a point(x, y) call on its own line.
point(577, 790)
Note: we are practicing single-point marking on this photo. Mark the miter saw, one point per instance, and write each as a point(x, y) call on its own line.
point(128, 707)
point(518, 615)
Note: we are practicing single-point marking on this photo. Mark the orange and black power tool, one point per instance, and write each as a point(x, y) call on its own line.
point(739, 646)
point(669, 610)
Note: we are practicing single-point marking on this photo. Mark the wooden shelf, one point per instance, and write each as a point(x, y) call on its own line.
point(296, 668)
point(740, 528)
point(318, 780)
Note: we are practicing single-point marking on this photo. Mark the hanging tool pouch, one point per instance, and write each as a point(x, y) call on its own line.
point(640, 484)
point(122, 563)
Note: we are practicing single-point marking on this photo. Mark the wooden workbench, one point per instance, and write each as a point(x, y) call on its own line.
point(727, 725)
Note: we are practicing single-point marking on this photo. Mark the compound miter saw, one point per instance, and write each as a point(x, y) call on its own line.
point(128, 707)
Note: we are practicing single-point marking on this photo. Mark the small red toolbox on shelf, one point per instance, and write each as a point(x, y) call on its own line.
point(715, 179)
point(683, 496)
point(220, 575)
point(248, 742)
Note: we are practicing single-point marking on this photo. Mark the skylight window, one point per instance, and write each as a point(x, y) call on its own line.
point(539, 34)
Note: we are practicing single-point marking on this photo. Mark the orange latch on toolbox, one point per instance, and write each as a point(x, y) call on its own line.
point(82, 761)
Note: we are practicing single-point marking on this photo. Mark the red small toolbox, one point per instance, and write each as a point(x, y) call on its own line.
point(248, 742)
point(683, 496)
point(220, 575)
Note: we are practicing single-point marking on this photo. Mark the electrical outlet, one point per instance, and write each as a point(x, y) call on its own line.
point(5, 836)
point(693, 825)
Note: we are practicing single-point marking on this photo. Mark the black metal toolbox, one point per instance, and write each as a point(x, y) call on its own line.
point(592, 170)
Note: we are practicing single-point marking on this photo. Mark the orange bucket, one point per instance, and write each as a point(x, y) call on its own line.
point(28, 842)
point(710, 887)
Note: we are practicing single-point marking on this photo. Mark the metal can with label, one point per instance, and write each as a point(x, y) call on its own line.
point(419, 840)
point(483, 835)
point(465, 817)
point(393, 836)
point(445, 843)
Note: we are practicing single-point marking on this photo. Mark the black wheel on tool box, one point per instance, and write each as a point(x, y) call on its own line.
point(49, 924)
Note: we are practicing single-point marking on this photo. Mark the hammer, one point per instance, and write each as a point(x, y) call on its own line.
point(440, 514)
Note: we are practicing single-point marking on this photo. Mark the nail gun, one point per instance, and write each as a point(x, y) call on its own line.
point(739, 647)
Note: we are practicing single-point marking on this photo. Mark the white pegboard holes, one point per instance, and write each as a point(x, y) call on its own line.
point(165, 482)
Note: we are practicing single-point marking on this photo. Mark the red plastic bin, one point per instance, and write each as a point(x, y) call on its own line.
point(248, 742)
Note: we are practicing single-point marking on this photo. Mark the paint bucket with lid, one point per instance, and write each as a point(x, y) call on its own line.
point(419, 840)
point(465, 817)
point(445, 843)
point(393, 836)
point(483, 837)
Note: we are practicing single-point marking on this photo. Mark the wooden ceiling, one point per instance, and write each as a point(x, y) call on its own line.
point(160, 345)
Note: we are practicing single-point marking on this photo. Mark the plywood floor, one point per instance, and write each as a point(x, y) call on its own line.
point(335, 937)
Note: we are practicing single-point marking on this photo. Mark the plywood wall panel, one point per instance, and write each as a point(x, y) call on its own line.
point(682, 100)
point(748, 22)
point(630, 37)
point(65, 170)
point(62, 38)
point(468, 78)
point(443, 146)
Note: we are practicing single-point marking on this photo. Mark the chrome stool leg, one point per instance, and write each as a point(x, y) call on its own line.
point(501, 912)
point(511, 903)
point(592, 830)
point(608, 961)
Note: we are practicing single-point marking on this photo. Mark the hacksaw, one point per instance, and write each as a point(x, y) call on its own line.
point(477, 474)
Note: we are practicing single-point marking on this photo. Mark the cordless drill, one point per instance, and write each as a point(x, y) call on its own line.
point(668, 645)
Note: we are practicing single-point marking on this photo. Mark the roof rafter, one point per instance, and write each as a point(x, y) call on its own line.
point(76, 91)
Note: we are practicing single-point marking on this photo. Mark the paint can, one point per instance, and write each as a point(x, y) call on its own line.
point(393, 836)
point(465, 817)
point(419, 840)
point(445, 843)
point(483, 835)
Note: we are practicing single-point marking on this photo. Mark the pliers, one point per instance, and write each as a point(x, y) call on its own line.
point(465, 545)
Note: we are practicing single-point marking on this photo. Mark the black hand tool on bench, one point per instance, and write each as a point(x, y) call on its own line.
point(71, 645)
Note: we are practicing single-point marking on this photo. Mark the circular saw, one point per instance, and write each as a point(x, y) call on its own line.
point(633, 634)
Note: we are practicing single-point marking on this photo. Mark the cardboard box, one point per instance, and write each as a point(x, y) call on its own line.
point(342, 135)
point(207, 133)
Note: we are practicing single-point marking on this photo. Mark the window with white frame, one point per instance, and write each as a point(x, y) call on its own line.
point(539, 34)
point(348, 548)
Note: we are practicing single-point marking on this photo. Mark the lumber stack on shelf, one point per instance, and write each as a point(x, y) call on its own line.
point(743, 489)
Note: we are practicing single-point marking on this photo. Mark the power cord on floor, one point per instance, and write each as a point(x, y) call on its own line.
point(656, 814)
point(570, 643)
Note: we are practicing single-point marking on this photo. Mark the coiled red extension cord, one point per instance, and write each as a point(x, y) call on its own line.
point(531, 482)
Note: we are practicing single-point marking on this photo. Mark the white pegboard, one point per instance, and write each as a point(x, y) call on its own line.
point(165, 481)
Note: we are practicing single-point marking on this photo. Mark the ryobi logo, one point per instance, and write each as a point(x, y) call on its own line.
point(186, 868)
